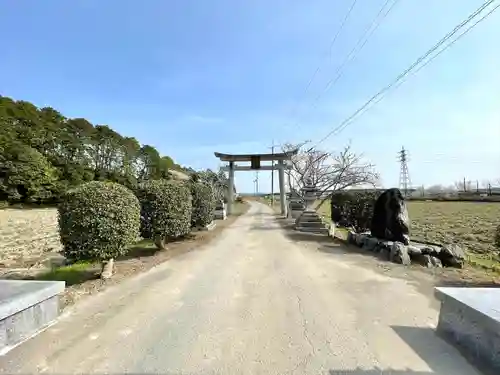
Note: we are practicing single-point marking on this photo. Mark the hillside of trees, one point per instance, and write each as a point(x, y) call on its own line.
point(43, 153)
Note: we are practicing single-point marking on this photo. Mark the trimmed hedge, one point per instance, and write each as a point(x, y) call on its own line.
point(353, 209)
point(203, 204)
point(165, 210)
point(98, 221)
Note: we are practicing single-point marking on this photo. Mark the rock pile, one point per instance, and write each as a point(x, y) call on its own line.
point(449, 255)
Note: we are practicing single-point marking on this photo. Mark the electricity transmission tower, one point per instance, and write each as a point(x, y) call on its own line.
point(404, 175)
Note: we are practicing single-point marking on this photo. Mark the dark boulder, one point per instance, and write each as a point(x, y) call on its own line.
point(390, 217)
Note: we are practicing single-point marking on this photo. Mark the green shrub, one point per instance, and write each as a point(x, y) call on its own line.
point(203, 203)
point(98, 221)
point(165, 210)
point(353, 209)
point(3, 204)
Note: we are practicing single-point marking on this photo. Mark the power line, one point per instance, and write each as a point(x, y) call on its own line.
point(360, 43)
point(328, 53)
point(443, 49)
point(377, 21)
point(406, 72)
point(414, 72)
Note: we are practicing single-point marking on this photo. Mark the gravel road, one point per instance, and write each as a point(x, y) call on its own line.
point(252, 302)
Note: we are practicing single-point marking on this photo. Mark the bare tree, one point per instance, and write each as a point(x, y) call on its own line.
point(329, 172)
point(464, 186)
point(435, 189)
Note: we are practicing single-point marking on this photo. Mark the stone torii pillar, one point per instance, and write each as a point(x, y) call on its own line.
point(230, 190)
point(281, 174)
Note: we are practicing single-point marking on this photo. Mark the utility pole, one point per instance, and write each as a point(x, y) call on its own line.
point(256, 181)
point(272, 176)
point(272, 173)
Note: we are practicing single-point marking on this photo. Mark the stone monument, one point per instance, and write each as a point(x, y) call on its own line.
point(390, 217)
point(309, 221)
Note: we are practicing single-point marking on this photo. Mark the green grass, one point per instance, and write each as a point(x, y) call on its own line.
point(72, 274)
point(325, 210)
point(82, 271)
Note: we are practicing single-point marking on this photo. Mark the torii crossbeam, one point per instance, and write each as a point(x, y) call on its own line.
point(255, 160)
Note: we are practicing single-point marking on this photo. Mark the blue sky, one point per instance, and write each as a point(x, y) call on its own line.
point(194, 77)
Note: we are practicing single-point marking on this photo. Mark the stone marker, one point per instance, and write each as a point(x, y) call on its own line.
point(26, 307)
point(295, 208)
point(220, 210)
point(470, 319)
point(390, 217)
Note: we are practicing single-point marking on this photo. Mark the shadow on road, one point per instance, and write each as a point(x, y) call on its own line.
point(439, 356)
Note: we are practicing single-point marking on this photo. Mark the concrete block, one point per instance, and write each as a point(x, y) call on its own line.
point(470, 320)
point(26, 307)
point(220, 214)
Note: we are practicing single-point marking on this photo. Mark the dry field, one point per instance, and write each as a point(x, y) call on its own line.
point(470, 224)
point(26, 234)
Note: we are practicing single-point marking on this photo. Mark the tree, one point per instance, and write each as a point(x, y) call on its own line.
point(69, 152)
point(218, 182)
point(147, 163)
point(465, 186)
point(98, 221)
point(329, 172)
point(25, 175)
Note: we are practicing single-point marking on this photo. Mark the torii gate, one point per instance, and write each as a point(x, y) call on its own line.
point(255, 160)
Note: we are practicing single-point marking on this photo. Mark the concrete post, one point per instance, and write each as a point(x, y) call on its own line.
point(230, 193)
point(281, 171)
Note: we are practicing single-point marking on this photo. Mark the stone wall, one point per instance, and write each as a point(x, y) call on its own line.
point(27, 235)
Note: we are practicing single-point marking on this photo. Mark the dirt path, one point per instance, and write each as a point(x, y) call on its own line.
point(256, 301)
